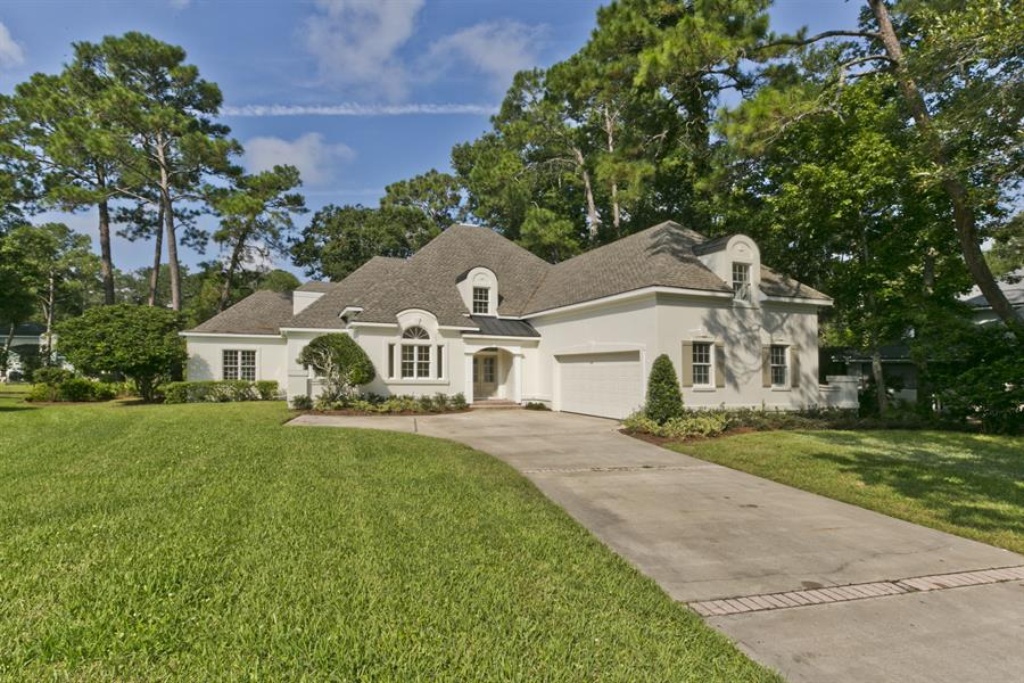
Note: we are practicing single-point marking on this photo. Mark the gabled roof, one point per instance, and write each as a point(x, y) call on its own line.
point(262, 312)
point(428, 279)
point(1012, 285)
point(361, 288)
point(659, 256)
point(776, 284)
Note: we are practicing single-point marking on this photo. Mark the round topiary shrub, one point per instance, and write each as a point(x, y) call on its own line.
point(340, 361)
point(664, 401)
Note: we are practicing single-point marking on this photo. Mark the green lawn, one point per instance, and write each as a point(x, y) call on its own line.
point(210, 542)
point(966, 484)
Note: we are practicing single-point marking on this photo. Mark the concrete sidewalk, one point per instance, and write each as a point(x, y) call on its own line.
point(707, 533)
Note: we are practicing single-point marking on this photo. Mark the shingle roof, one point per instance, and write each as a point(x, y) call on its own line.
point(383, 287)
point(659, 256)
point(502, 327)
point(776, 284)
point(1012, 285)
point(360, 288)
point(261, 313)
point(428, 279)
point(316, 286)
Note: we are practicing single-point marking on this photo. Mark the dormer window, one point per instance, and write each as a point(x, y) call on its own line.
point(481, 300)
point(741, 281)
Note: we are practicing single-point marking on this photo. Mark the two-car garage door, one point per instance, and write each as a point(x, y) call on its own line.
point(603, 384)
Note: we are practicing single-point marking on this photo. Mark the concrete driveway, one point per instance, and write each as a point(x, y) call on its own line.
point(819, 590)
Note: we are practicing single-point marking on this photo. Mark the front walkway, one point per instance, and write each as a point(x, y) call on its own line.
point(759, 560)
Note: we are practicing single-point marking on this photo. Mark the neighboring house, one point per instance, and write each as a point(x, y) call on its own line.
point(898, 367)
point(24, 344)
point(1012, 285)
point(472, 312)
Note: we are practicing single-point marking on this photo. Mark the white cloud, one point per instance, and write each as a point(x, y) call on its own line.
point(11, 53)
point(355, 43)
point(497, 49)
point(355, 109)
point(315, 158)
point(179, 4)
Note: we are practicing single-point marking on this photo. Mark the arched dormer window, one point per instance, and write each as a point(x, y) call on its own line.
point(415, 353)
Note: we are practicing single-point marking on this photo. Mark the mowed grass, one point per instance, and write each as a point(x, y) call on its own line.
point(967, 484)
point(210, 542)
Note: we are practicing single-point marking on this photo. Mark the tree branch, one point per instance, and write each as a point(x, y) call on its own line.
point(801, 42)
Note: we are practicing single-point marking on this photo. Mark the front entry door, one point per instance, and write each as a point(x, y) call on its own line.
point(485, 377)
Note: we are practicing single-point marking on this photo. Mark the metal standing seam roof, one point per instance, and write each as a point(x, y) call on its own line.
point(500, 327)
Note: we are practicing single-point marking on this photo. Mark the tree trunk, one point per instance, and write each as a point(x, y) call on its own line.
point(236, 256)
point(964, 220)
point(106, 260)
point(6, 356)
point(51, 298)
point(172, 242)
point(593, 220)
point(154, 276)
point(609, 129)
point(879, 376)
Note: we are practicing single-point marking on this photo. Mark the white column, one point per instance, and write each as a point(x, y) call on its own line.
point(517, 377)
point(467, 390)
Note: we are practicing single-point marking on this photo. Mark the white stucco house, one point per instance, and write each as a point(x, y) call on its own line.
point(472, 312)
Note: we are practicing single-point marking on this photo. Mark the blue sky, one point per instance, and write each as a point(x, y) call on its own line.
point(356, 93)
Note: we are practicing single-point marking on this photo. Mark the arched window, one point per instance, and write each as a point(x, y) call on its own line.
point(415, 353)
point(415, 333)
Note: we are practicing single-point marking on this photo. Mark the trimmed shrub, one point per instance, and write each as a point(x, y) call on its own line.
point(72, 390)
point(536, 405)
point(459, 402)
point(340, 361)
point(664, 400)
point(214, 391)
point(267, 390)
point(302, 402)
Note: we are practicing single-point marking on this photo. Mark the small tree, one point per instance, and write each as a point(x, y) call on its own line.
point(664, 401)
point(340, 361)
point(141, 342)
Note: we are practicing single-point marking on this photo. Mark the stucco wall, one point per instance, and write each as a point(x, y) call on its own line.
point(660, 323)
point(205, 357)
point(743, 331)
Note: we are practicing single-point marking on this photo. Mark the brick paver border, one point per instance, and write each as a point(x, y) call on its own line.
point(858, 591)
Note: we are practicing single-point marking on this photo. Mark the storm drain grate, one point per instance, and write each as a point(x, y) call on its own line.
point(858, 591)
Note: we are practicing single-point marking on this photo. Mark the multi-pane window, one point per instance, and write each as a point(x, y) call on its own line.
point(481, 300)
point(702, 364)
point(486, 370)
point(415, 354)
point(741, 281)
point(777, 357)
point(239, 365)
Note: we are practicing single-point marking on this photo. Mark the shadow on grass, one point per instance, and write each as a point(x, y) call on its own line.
point(16, 407)
point(960, 478)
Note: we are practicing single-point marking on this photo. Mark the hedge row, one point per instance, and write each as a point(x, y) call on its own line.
point(224, 391)
point(72, 390)
point(373, 403)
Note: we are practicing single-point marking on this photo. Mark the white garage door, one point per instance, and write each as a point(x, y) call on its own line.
point(603, 384)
